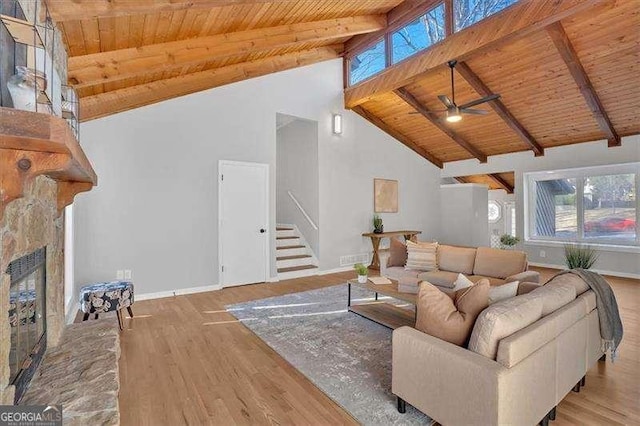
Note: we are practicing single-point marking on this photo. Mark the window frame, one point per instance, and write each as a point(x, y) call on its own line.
point(580, 174)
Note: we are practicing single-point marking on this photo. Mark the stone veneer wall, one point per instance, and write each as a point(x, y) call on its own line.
point(29, 223)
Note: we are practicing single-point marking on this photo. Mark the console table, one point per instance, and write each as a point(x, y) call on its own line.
point(375, 242)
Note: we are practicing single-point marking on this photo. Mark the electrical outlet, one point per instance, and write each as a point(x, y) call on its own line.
point(119, 274)
point(543, 253)
point(127, 274)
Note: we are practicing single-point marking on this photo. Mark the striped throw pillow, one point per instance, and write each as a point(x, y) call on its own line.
point(422, 256)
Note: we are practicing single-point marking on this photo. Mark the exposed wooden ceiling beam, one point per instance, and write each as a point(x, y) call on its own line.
point(98, 68)
point(406, 96)
point(92, 107)
point(71, 10)
point(501, 182)
point(478, 85)
point(519, 20)
point(396, 18)
point(397, 135)
point(570, 57)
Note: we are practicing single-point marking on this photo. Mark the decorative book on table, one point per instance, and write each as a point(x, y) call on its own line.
point(380, 280)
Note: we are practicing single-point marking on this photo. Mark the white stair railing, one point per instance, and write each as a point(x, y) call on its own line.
point(304, 213)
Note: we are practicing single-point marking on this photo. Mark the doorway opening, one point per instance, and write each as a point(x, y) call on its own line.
point(297, 197)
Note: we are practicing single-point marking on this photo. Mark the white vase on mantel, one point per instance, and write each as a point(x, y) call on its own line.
point(25, 86)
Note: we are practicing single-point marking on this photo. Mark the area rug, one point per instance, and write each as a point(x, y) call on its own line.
point(348, 357)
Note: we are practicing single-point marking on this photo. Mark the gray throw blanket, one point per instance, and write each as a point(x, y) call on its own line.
point(610, 322)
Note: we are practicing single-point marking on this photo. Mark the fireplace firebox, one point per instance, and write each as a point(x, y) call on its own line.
point(27, 317)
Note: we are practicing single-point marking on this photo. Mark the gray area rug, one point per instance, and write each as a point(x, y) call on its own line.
point(345, 355)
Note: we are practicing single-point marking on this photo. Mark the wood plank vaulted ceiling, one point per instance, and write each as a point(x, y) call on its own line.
point(567, 72)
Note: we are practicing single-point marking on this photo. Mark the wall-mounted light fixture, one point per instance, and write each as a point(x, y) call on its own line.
point(337, 124)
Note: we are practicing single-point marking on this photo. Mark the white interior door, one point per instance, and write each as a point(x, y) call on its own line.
point(243, 223)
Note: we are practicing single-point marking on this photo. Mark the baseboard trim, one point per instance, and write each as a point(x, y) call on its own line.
point(600, 271)
point(177, 292)
point(273, 280)
point(336, 270)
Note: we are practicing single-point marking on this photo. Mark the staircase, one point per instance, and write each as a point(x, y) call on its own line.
point(294, 257)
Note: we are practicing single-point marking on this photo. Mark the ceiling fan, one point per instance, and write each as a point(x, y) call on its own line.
point(455, 111)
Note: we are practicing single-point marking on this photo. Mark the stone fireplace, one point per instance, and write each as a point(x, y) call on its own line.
point(31, 312)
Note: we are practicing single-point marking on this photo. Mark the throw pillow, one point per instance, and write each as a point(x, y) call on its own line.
point(397, 253)
point(504, 291)
point(422, 256)
point(450, 319)
point(461, 282)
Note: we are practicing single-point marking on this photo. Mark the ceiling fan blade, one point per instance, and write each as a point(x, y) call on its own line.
point(446, 101)
point(473, 111)
point(480, 101)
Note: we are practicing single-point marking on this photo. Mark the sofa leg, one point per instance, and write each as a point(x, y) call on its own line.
point(583, 381)
point(576, 388)
point(402, 406)
point(85, 317)
point(545, 421)
point(603, 358)
point(552, 413)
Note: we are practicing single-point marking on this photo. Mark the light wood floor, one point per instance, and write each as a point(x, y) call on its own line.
point(186, 361)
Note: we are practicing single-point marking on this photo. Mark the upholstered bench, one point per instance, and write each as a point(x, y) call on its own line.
point(100, 298)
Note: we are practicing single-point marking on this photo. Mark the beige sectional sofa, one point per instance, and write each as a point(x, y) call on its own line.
point(524, 355)
point(498, 266)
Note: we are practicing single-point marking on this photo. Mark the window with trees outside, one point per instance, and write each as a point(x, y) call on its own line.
point(596, 205)
point(468, 12)
point(419, 34)
point(428, 29)
point(367, 63)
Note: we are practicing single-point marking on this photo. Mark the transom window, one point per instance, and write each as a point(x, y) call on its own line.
point(423, 32)
point(428, 29)
point(596, 205)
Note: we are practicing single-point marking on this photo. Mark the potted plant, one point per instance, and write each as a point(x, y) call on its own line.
point(378, 228)
point(508, 241)
point(362, 272)
point(579, 257)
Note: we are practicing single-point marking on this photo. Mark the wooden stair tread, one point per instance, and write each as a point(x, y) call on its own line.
point(284, 229)
point(297, 268)
point(288, 247)
point(287, 238)
point(300, 256)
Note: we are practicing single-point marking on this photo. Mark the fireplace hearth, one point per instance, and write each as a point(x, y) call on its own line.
point(27, 318)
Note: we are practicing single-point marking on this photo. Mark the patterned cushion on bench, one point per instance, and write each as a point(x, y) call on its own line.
point(106, 297)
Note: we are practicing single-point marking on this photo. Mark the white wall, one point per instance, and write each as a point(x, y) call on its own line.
point(463, 215)
point(565, 157)
point(297, 171)
point(154, 210)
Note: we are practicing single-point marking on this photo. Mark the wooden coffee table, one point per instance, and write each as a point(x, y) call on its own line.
point(383, 313)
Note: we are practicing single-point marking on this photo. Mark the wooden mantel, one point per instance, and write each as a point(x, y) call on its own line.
point(33, 144)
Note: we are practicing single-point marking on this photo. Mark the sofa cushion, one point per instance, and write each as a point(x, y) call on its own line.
point(492, 280)
point(456, 259)
point(397, 253)
point(554, 295)
point(499, 263)
point(502, 319)
point(518, 346)
point(450, 319)
point(422, 256)
point(400, 273)
point(440, 278)
point(503, 292)
point(571, 279)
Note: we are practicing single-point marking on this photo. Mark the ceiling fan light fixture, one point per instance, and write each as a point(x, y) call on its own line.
point(453, 115)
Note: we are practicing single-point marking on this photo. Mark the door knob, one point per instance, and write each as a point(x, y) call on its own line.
point(262, 231)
